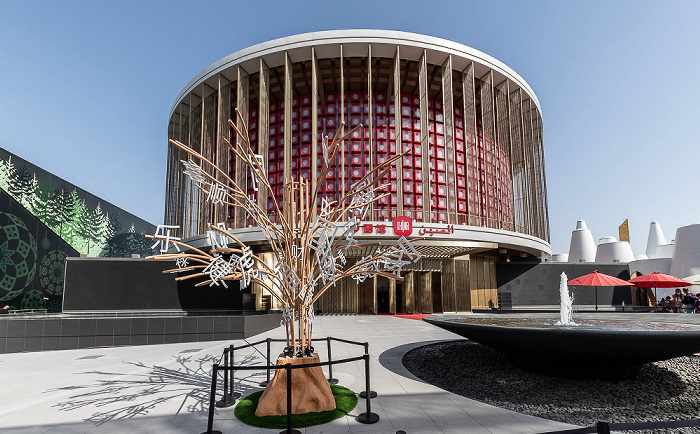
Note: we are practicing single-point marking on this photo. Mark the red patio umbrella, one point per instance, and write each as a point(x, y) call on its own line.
point(597, 279)
point(658, 280)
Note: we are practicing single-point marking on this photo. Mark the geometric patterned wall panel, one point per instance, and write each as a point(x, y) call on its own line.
point(32, 259)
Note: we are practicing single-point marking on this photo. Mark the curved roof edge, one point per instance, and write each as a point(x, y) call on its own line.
point(355, 36)
point(462, 233)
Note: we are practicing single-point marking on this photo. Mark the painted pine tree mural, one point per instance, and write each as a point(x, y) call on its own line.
point(87, 228)
point(7, 170)
point(90, 226)
point(23, 185)
point(42, 203)
point(70, 217)
point(63, 208)
point(72, 233)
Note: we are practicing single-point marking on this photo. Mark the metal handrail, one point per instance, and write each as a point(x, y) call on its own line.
point(229, 397)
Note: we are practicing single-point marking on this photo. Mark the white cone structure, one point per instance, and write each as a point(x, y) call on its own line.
point(582, 247)
point(656, 239)
point(610, 250)
point(686, 256)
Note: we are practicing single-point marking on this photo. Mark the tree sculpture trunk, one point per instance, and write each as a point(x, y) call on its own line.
point(310, 389)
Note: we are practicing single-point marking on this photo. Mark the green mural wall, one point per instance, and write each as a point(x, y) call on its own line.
point(90, 225)
point(43, 220)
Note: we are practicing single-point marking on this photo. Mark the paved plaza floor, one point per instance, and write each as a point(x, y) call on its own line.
point(165, 388)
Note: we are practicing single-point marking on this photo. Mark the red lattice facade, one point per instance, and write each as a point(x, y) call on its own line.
point(482, 167)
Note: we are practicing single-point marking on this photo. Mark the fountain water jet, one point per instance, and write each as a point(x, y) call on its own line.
point(566, 309)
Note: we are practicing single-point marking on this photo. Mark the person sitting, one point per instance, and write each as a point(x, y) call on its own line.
point(5, 309)
point(666, 304)
point(677, 301)
point(688, 301)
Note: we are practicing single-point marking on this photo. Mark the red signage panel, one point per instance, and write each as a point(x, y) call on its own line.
point(403, 226)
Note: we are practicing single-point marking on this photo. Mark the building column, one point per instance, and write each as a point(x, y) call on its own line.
point(372, 150)
point(449, 287)
point(189, 201)
point(426, 292)
point(449, 123)
point(489, 139)
point(425, 146)
point(223, 114)
point(342, 120)
point(462, 285)
point(392, 296)
point(503, 145)
point(397, 131)
point(314, 127)
point(242, 103)
point(469, 98)
point(204, 205)
point(288, 88)
point(516, 155)
point(374, 294)
point(542, 207)
point(528, 168)
point(409, 291)
point(263, 127)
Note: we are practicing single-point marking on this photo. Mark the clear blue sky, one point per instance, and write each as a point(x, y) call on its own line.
point(86, 88)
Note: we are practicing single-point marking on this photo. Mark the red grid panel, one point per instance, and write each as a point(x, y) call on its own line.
point(482, 169)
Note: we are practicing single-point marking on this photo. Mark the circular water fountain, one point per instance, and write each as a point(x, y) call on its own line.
point(609, 349)
point(593, 349)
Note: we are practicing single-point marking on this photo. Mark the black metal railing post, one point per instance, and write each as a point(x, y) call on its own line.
point(603, 426)
point(212, 400)
point(266, 382)
point(367, 416)
point(289, 430)
point(233, 395)
point(226, 400)
point(372, 393)
point(330, 367)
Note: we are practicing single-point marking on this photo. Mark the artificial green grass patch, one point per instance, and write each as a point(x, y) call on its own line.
point(345, 401)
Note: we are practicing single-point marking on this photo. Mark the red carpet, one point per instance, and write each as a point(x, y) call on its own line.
point(417, 316)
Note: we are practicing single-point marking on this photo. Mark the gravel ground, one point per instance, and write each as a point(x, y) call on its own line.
point(662, 391)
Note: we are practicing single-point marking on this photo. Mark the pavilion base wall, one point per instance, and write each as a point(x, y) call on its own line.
point(533, 285)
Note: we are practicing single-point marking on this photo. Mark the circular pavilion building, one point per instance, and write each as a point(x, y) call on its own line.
point(472, 181)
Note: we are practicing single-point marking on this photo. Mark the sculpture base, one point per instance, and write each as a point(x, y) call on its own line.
point(310, 389)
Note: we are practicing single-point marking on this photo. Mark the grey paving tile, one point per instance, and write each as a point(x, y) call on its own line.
point(461, 429)
point(509, 428)
point(340, 426)
point(406, 414)
point(34, 429)
point(444, 412)
point(164, 388)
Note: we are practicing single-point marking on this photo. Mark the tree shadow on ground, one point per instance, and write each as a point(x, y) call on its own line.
point(131, 394)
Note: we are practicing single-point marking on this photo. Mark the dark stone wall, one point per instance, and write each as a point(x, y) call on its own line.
point(21, 334)
point(522, 284)
point(125, 284)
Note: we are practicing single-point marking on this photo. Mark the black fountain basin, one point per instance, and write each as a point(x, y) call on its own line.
point(596, 349)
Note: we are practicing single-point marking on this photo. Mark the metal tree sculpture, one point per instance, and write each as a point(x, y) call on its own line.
point(310, 250)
